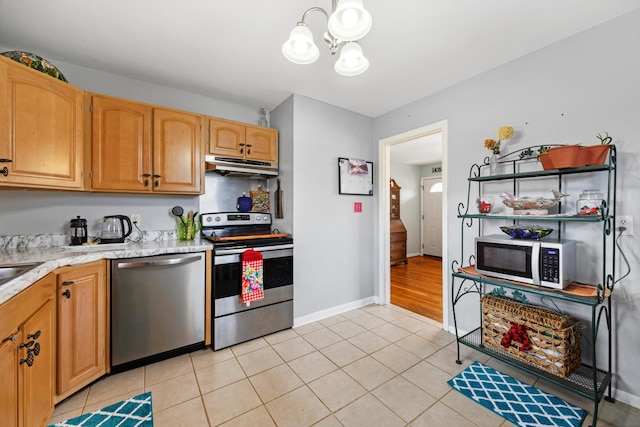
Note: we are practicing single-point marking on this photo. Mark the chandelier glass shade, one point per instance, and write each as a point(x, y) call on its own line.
point(351, 61)
point(348, 22)
point(300, 48)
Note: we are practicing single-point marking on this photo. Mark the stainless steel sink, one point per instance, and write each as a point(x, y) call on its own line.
point(10, 272)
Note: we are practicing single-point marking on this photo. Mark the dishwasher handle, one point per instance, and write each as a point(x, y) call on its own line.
point(160, 262)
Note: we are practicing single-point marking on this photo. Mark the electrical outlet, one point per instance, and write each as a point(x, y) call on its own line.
point(136, 219)
point(625, 221)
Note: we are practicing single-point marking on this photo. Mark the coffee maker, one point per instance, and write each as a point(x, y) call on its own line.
point(78, 231)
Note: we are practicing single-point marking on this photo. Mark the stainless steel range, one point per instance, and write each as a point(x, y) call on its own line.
point(232, 233)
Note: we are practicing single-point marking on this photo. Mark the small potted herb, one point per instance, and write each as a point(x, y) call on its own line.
point(544, 158)
point(597, 154)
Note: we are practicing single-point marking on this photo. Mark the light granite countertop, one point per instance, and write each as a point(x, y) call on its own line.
point(58, 256)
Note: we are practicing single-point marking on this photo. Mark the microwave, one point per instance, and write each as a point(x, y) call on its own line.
point(550, 263)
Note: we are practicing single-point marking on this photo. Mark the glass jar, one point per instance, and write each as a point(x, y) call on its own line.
point(589, 203)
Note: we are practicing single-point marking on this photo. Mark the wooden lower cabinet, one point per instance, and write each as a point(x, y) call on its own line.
point(27, 355)
point(398, 239)
point(82, 325)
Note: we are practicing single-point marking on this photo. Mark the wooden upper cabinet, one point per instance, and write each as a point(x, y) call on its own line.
point(238, 140)
point(226, 138)
point(120, 145)
point(262, 144)
point(136, 148)
point(177, 152)
point(41, 130)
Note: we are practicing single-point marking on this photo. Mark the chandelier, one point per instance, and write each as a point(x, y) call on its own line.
point(349, 22)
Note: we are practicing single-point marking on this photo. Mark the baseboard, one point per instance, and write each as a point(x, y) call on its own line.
point(323, 314)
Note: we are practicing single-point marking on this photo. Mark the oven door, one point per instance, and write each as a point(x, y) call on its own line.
point(277, 271)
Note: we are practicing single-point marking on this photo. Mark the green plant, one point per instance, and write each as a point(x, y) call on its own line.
point(604, 139)
point(543, 149)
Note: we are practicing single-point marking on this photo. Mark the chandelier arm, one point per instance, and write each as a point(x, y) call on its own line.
point(331, 40)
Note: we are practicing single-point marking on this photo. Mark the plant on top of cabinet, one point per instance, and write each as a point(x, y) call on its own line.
point(139, 148)
point(242, 141)
point(42, 118)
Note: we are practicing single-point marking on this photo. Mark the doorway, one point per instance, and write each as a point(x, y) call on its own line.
point(384, 156)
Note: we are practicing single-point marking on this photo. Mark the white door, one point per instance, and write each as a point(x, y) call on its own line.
point(432, 216)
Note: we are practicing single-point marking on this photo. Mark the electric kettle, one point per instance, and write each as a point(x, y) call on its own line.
point(113, 227)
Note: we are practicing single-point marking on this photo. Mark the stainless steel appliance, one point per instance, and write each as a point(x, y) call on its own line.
point(113, 229)
point(157, 308)
point(232, 233)
point(550, 263)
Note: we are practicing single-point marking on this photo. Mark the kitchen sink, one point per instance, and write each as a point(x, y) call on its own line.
point(10, 272)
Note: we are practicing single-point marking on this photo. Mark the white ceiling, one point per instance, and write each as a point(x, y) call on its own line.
point(231, 50)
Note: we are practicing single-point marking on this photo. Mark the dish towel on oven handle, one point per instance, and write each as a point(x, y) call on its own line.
point(252, 279)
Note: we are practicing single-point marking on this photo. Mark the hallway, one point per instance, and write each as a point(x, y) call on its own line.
point(417, 286)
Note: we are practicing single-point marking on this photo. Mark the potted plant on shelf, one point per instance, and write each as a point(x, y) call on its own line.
point(544, 158)
point(597, 154)
point(564, 156)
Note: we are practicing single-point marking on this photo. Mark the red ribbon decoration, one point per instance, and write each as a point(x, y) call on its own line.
point(517, 333)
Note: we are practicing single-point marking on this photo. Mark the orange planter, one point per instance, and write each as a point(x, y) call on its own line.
point(597, 154)
point(565, 156)
point(582, 158)
point(545, 159)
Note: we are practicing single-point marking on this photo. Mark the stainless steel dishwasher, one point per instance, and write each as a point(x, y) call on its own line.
point(157, 308)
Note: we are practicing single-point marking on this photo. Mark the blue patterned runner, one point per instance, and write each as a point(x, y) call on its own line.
point(515, 401)
point(134, 412)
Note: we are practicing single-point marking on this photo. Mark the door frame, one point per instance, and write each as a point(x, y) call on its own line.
point(383, 241)
point(422, 219)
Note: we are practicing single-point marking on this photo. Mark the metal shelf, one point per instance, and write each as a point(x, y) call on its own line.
point(532, 289)
point(556, 218)
point(542, 173)
point(581, 381)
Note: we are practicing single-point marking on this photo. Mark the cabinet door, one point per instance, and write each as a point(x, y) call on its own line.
point(261, 144)
point(226, 138)
point(120, 145)
point(81, 326)
point(9, 380)
point(38, 379)
point(42, 124)
point(177, 152)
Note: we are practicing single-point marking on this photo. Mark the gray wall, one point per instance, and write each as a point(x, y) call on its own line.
point(565, 93)
point(333, 245)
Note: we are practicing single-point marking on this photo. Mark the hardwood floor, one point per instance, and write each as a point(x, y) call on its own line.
point(417, 286)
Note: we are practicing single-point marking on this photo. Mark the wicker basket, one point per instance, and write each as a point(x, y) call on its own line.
point(554, 338)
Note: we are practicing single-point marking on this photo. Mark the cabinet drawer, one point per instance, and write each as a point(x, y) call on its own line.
point(398, 246)
point(395, 237)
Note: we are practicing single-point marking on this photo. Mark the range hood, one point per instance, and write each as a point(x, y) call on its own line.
point(228, 166)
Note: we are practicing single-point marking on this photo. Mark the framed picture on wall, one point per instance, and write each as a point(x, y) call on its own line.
point(355, 176)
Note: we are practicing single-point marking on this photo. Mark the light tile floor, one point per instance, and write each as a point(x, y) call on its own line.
point(374, 366)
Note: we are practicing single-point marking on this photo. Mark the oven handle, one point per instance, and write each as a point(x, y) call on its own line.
point(171, 261)
point(258, 249)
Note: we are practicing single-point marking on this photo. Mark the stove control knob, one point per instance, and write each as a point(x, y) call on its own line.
point(258, 218)
point(266, 218)
point(218, 219)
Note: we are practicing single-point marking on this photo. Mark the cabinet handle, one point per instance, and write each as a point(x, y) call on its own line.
point(27, 345)
point(145, 175)
point(29, 359)
point(156, 176)
point(6, 160)
point(67, 283)
point(67, 294)
point(4, 171)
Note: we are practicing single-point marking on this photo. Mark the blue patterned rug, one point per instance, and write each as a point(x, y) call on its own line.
point(133, 412)
point(522, 404)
